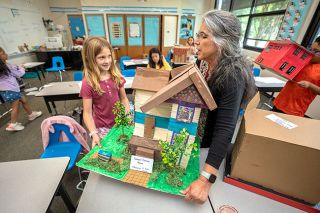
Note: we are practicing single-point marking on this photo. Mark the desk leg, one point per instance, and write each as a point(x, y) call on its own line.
point(54, 107)
point(66, 199)
point(48, 105)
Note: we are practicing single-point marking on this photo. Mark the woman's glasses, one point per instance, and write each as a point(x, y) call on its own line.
point(201, 35)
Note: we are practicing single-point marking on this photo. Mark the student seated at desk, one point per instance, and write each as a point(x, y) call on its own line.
point(102, 87)
point(190, 43)
point(297, 95)
point(10, 92)
point(157, 60)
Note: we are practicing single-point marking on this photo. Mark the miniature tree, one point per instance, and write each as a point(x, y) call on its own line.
point(171, 154)
point(122, 120)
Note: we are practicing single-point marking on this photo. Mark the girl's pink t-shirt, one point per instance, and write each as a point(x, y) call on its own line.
point(102, 104)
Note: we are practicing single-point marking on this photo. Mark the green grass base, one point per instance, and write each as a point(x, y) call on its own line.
point(110, 144)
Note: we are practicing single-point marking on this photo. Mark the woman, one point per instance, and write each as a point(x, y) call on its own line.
point(231, 83)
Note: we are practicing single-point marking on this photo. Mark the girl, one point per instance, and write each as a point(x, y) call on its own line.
point(102, 87)
point(190, 44)
point(157, 61)
point(10, 92)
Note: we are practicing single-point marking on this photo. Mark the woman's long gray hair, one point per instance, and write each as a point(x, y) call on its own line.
point(225, 29)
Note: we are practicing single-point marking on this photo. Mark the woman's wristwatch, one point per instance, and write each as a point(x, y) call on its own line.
point(210, 177)
point(92, 133)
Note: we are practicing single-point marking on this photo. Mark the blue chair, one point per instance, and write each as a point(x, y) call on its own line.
point(168, 56)
point(71, 148)
point(126, 72)
point(57, 66)
point(77, 75)
point(256, 71)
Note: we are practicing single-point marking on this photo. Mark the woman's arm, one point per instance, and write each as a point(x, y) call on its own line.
point(89, 122)
point(124, 100)
point(219, 133)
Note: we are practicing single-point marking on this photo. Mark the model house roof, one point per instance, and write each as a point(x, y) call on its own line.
point(150, 79)
point(185, 77)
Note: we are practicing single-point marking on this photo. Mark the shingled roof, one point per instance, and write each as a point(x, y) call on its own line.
point(183, 78)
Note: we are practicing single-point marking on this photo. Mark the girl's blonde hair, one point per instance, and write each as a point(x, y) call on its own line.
point(91, 48)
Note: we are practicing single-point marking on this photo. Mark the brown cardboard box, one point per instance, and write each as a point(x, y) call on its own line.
point(281, 159)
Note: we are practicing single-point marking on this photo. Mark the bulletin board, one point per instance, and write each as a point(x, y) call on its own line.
point(116, 30)
point(294, 19)
point(95, 25)
point(134, 25)
point(18, 27)
point(151, 28)
point(186, 27)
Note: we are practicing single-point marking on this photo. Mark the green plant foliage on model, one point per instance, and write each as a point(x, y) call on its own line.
point(171, 153)
point(122, 120)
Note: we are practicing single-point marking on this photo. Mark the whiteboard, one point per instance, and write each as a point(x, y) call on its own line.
point(20, 26)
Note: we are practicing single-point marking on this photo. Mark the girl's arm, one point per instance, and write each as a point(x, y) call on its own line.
point(88, 120)
point(306, 84)
point(124, 100)
point(17, 71)
point(166, 65)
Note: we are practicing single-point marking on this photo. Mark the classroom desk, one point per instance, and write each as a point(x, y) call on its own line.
point(35, 67)
point(72, 58)
point(103, 194)
point(67, 90)
point(30, 185)
point(134, 63)
point(269, 84)
point(244, 201)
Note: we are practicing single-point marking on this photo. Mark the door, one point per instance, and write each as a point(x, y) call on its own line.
point(95, 25)
point(76, 26)
point(134, 36)
point(116, 28)
point(169, 32)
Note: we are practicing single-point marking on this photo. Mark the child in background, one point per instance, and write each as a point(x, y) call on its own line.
point(190, 43)
point(102, 87)
point(10, 92)
point(157, 60)
point(297, 95)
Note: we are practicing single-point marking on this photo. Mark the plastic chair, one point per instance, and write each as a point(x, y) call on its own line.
point(71, 148)
point(256, 71)
point(77, 75)
point(126, 72)
point(57, 66)
point(168, 56)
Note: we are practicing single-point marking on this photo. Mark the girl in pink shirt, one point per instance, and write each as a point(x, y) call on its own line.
point(102, 87)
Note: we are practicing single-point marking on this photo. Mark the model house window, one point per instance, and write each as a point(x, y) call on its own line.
point(185, 114)
point(254, 16)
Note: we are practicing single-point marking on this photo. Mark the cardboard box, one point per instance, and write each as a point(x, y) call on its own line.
point(284, 160)
point(286, 58)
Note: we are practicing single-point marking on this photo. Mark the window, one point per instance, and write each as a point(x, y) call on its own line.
point(260, 19)
point(314, 29)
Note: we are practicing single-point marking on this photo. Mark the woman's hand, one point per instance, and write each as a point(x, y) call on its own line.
point(95, 140)
point(197, 191)
point(304, 84)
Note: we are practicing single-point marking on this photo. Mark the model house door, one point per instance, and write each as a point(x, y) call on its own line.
point(95, 25)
